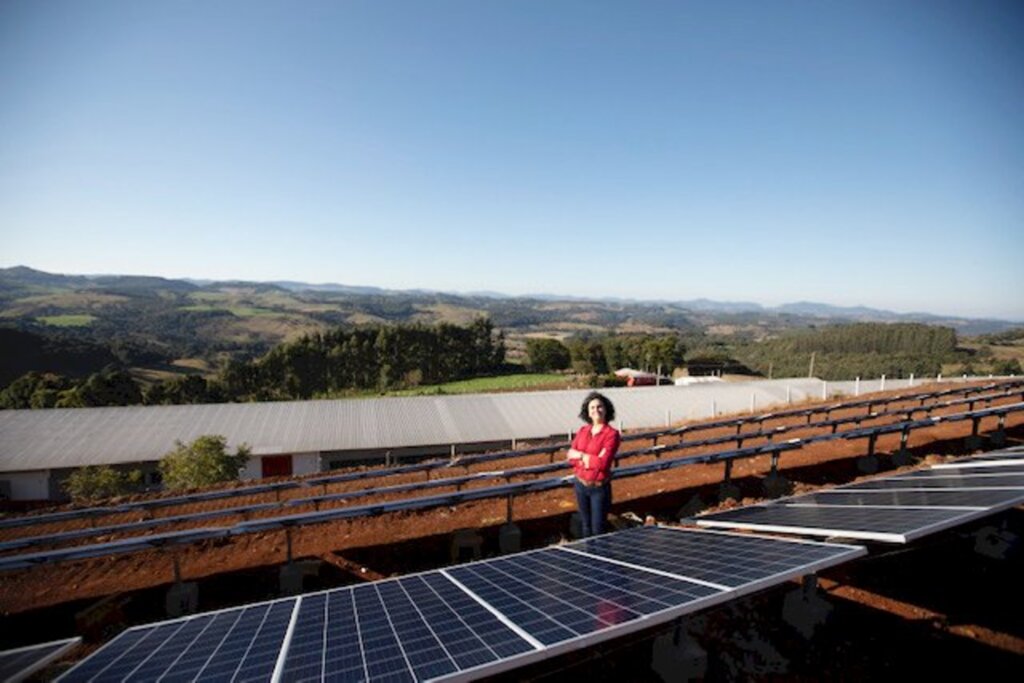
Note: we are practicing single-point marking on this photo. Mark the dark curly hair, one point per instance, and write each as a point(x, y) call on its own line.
point(609, 409)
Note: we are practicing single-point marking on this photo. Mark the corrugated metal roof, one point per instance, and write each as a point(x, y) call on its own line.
point(73, 437)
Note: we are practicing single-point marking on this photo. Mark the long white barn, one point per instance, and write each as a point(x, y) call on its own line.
point(38, 448)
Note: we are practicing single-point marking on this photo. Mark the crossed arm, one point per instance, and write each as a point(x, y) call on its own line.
point(587, 458)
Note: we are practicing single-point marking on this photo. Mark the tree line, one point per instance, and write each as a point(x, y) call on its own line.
point(380, 357)
point(601, 355)
point(376, 358)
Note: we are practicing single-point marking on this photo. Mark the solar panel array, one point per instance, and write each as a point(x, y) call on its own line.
point(895, 509)
point(508, 489)
point(1006, 388)
point(467, 621)
point(283, 521)
point(20, 663)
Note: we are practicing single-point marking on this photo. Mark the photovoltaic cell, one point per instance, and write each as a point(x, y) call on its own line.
point(729, 560)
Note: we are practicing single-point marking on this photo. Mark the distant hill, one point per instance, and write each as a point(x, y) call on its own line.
point(77, 324)
point(201, 317)
point(25, 352)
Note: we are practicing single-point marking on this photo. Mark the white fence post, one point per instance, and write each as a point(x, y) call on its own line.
point(881, 386)
point(789, 395)
point(856, 387)
point(911, 379)
point(824, 390)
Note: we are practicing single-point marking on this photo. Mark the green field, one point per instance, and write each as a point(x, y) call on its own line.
point(67, 320)
point(482, 385)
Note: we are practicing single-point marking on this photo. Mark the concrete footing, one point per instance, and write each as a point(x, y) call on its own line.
point(182, 598)
point(467, 545)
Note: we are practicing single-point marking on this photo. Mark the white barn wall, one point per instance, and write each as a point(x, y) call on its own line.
point(306, 463)
point(253, 469)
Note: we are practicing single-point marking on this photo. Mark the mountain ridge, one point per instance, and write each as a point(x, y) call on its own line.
point(25, 275)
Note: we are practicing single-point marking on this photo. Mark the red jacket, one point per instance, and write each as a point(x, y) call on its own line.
point(604, 445)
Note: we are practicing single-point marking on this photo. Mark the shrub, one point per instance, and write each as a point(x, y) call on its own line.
point(101, 481)
point(203, 462)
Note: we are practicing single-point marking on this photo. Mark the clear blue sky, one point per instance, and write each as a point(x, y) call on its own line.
point(852, 152)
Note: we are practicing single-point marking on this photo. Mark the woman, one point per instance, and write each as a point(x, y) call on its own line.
point(592, 455)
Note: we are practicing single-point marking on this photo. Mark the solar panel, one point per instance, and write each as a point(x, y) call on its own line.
point(984, 467)
point(872, 523)
point(414, 628)
point(112, 547)
point(239, 644)
point(468, 621)
point(895, 509)
point(945, 480)
point(970, 498)
point(1007, 458)
point(557, 596)
point(20, 663)
point(729, 560)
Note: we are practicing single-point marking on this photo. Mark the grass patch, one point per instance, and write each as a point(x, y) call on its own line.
point(67, 320)
point(482, 385)
point(479, 385)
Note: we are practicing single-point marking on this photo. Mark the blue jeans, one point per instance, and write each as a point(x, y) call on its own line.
point(593, 502)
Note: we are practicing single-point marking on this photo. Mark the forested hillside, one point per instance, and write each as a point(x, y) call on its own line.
point(116, 340)
point(859, 350)
point(381, 357)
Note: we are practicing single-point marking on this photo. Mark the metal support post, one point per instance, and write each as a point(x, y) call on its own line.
point(902, 456)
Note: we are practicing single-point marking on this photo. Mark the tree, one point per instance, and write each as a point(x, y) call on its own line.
point(111, 387)
point(588, 357)
point(93, 483)
point(547, 354)
point(1010, 366)
point(203, 462)
point(189, 389)
point(34, 390)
